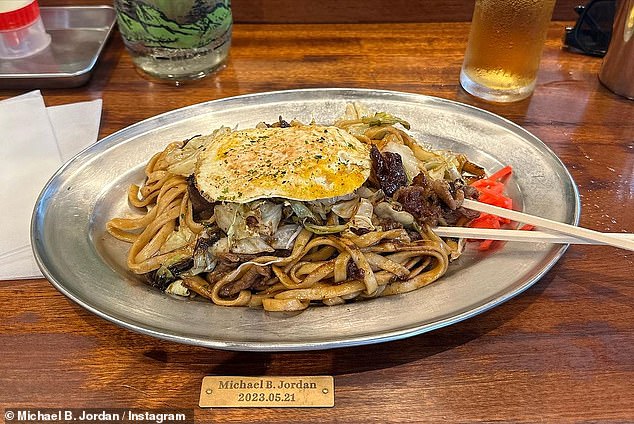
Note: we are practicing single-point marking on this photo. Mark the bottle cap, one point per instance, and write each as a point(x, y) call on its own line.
point(19, 18)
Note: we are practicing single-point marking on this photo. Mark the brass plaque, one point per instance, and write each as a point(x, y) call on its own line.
point(267, 392)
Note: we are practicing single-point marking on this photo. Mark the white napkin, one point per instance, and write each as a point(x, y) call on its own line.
point(35, 142)
point(76, 126)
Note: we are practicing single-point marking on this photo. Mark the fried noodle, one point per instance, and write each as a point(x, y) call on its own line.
point(327, 259)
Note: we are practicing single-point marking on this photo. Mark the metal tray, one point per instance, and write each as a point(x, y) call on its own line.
point(78, 35)
point(89, 266)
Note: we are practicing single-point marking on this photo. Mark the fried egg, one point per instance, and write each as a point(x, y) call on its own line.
point(303, 163)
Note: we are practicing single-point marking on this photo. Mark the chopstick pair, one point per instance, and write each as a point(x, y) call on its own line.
point(564, 233)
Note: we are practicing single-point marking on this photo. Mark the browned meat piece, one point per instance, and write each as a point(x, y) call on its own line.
point(421, 203)
point(460, 192)
point(360, 231)
point(250, 279)
point(387, 224)
point(353, 271)
point(470, 192)
point(434, 202)
point(421, 180)
point(441, 188)
point(388, 169)
point(201, 207)
point(452, 217)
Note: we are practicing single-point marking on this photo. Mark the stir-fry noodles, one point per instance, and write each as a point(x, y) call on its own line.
point(287, 215)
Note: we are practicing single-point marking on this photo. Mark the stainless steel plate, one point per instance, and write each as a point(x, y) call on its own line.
point(78, 34)
point(88, 265)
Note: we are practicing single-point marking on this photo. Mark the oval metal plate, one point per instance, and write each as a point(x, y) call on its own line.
point(87, 265)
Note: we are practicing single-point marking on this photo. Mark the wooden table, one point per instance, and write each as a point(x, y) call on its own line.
point(560, 352)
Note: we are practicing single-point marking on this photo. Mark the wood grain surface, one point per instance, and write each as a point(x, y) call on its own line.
point(350, 11)
point(561, 352)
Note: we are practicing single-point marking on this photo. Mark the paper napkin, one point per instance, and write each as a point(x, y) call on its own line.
point(35, 142)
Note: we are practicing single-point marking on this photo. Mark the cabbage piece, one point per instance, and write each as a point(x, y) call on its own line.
point(204, 256)
point(221, 247)
point(354, 111)
point(264, 219)
point(345, 209)
point(443, 165)
point(456, 248)
point(182, 161)
point(319, 208)
point(226, 215)
point(303, 212)
point(285, 236)
point(386, 211)
point(374, 196)
point(204, 261)
point(363, 215)
point(358, 130)
point(358, 112)
point(384, 118)
point(439, 164)
point(247, 226)
point(270, 217)
point(177, 239)
point(251, 246)
point(230, 218)
point(325, 229)
point(177, 288)
point(322, 207)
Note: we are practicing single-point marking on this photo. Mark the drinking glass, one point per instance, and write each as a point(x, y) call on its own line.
point(176, 40)
point(504, 49)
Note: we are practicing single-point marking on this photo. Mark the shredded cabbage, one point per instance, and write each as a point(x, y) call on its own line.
point(249, 226)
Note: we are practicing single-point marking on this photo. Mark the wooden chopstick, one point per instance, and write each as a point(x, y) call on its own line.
point(519, 235)
point(560, 227)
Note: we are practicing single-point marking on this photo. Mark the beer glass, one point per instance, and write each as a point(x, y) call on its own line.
point(176, 40)
point(505, 47)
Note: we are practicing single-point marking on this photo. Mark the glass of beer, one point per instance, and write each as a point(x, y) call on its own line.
point(504, 49)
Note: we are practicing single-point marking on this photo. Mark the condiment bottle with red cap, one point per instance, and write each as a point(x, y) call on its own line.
point(22, 32)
